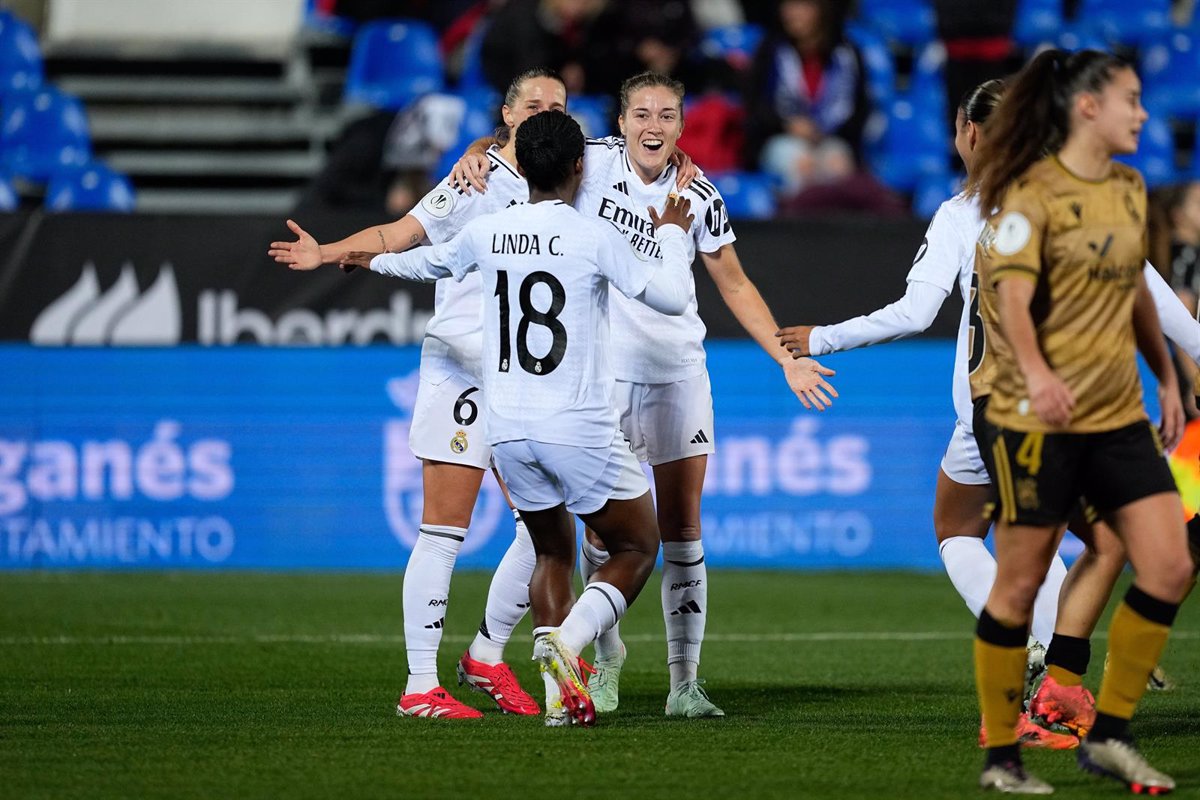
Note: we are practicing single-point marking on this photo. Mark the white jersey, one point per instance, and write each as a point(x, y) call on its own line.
point(649, 347)
point(546, 271)
point(453, 337)
point(946, 258)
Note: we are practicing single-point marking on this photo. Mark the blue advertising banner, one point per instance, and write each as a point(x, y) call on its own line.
point(297, 458)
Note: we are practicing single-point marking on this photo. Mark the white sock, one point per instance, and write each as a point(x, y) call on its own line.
point(552, 693)
point(508, 598)
point(685, 607)
point(972, 569)
point(596, 610)
point(1045, 607)
point(592, 558)
point(426, 591)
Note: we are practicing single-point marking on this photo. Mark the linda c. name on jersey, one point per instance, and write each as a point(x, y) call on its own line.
point(522, 244)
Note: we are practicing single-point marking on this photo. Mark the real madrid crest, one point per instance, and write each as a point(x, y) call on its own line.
point(1027, 496)
point(458, 443)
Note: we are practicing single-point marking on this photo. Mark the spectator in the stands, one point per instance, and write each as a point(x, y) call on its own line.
point(807, 100)
point(1174, 232)
point(979, 45)
point(1175, 238)
point(576, 38)
point(381, 163)
point(439, 13)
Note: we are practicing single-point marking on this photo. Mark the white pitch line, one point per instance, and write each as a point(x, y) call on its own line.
point(395, 639)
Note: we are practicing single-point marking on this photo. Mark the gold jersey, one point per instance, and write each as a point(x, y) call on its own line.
point(1083, 243)
point(985, 323)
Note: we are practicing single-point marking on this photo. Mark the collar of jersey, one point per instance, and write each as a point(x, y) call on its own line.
point(1080, 178)
point(633, 172)
point(495, 151)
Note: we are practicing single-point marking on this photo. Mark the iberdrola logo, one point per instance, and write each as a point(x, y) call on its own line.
point(402, 498)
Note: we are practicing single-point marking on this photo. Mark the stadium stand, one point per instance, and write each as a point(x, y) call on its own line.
point(20, 56)
point(42, 131)
point(748, 195)
point(95, 187)
point(393, 62)
point(9, 201)
point(234, 114)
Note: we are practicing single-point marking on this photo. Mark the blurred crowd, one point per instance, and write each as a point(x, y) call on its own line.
point(794, 102)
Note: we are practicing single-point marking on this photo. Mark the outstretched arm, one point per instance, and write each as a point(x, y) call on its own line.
point(1177, 322)
point(306, 253)
point(911, 314)
point(805, 376)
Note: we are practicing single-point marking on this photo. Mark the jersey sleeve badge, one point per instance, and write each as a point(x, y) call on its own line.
point(439, 203)
point(1013, 232)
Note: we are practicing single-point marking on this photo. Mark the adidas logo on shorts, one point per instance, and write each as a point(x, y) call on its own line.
point(700, 438)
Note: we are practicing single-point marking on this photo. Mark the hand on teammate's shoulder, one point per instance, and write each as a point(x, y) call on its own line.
point(677, 211)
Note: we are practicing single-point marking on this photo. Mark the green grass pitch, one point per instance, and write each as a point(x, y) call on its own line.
point(276, 685)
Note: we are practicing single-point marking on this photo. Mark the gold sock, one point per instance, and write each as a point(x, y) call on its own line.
point(1000, 681)
point(1134, 647)
point(1063, 676)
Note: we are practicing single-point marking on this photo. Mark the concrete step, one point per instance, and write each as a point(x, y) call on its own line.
point(215, 162)
point(189, 125)
point(158, 89)
point(216, 201)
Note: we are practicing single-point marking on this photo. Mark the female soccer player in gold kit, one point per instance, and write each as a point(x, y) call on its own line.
point(1065, 251)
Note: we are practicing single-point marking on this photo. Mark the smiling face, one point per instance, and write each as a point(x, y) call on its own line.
point(1116, 113)
point(535, 96)
point(651, 125)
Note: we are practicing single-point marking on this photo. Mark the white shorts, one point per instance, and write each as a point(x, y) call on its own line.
point(447, 424)
point(667, 421)
point(962, 463)
point(540, 475)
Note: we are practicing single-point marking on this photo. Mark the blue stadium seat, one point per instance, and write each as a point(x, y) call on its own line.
point(933, 190)
point(910, 22)
point(20, 56)
point(877, 61)
point(8, 196)
point(594, 113)
point(747, 195)
point(41, 132)
point(915, 143)
point(93, 188)
point(392, 63)
point(1037, 21)
point(1155, 157)
point(1081, 37)
point(928, 87)
point(1129, 22)
point(733, 43)
point(1169, 67)
point(480, 119)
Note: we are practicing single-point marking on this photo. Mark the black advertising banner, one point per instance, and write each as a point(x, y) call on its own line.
point(161, 280)
point(92, 279)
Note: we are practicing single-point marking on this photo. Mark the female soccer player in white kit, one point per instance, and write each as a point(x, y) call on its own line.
point(450, 443)
point(549, 388)
point(663, 389)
